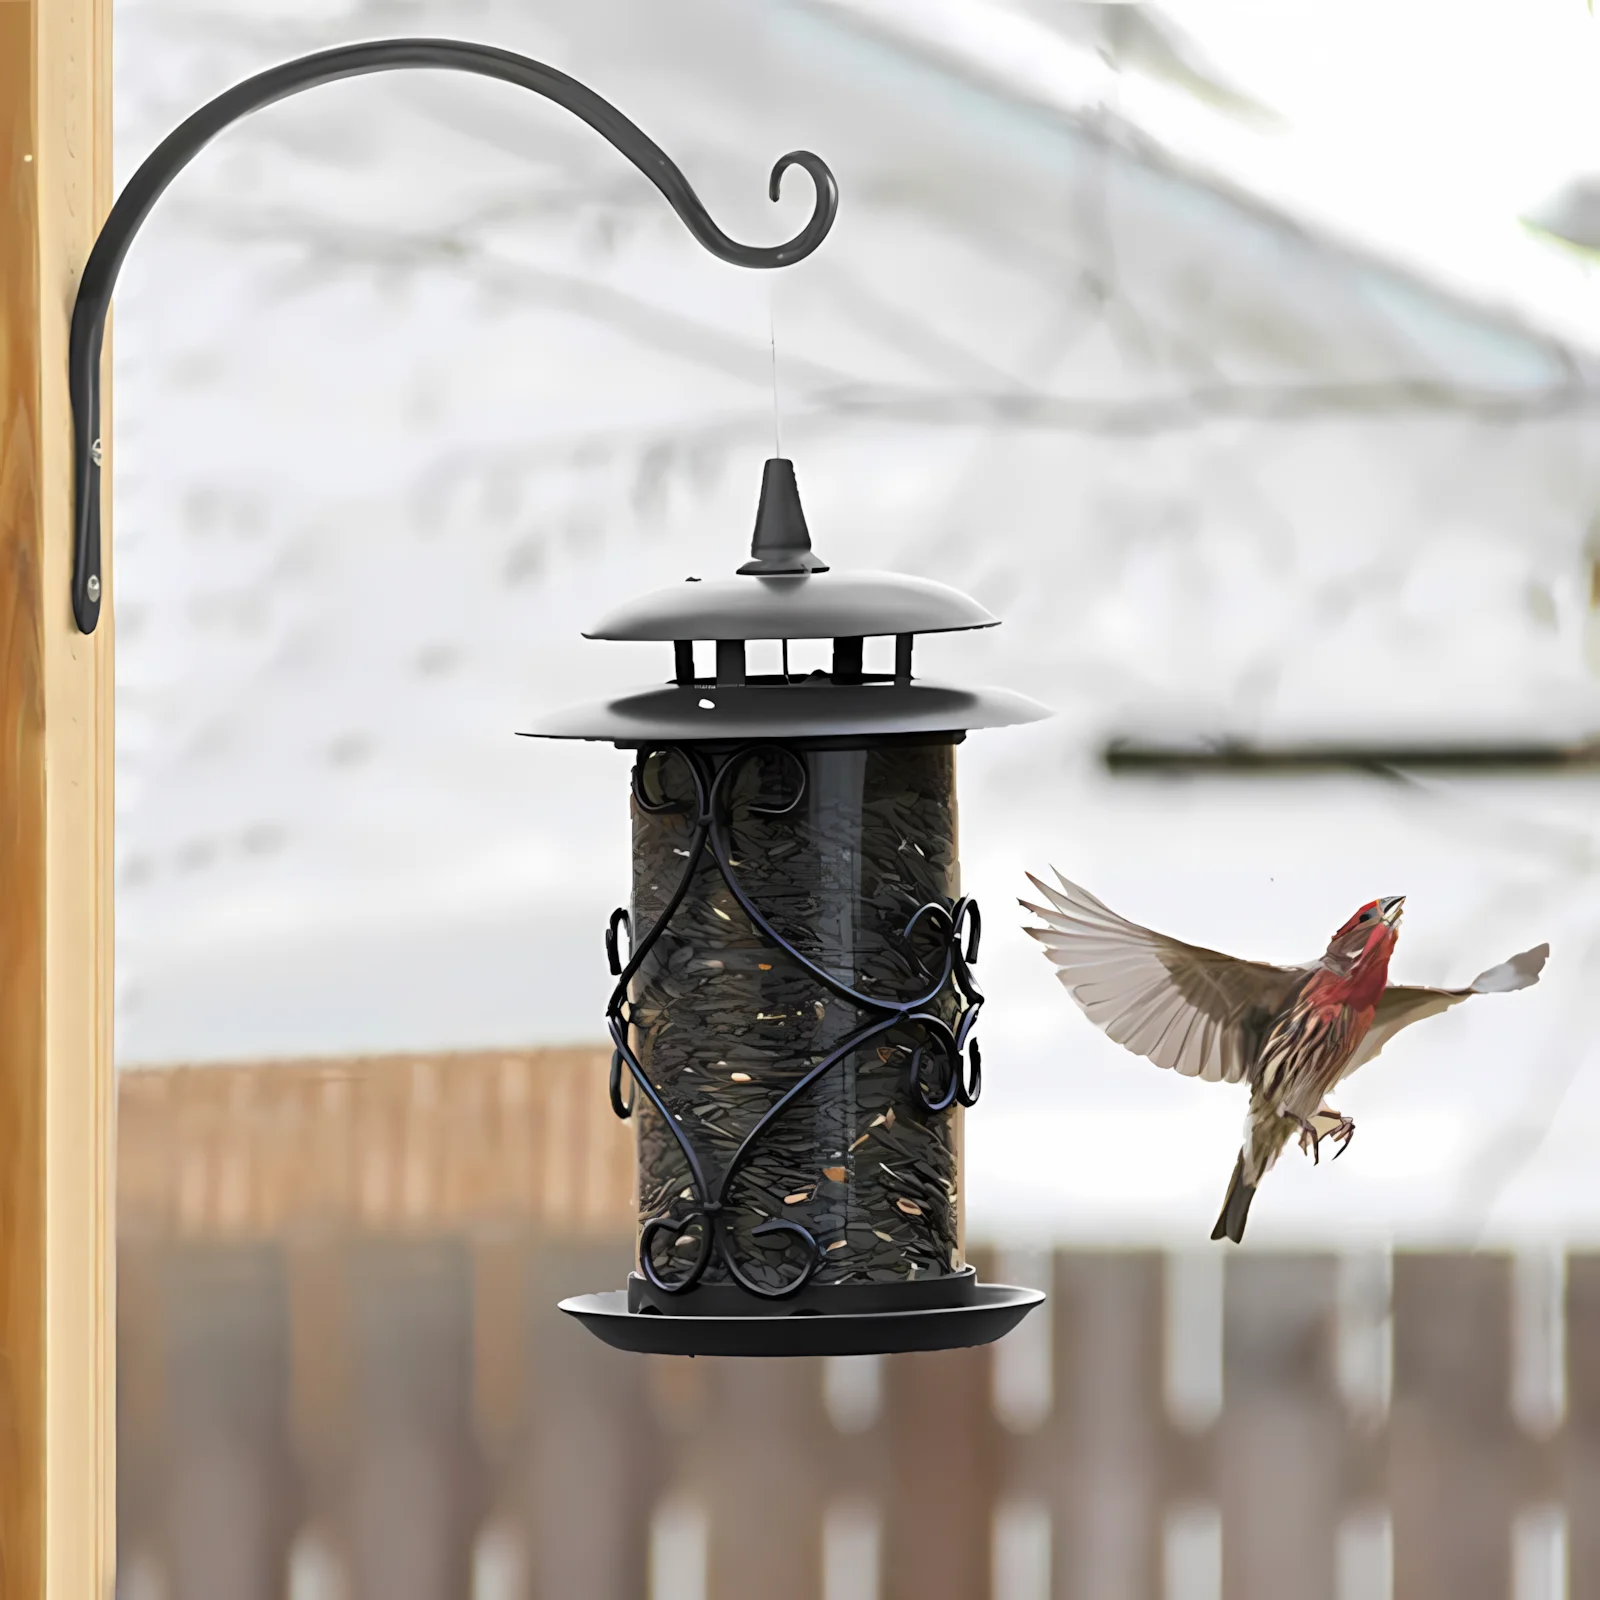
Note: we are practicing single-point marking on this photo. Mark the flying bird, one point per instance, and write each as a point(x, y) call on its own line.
point(1291, 1033)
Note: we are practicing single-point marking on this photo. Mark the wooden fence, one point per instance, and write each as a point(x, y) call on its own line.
point(380, 1406)
point(391, 1144)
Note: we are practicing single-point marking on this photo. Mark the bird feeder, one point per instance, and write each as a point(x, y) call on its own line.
point(794, 1005)
point(793, 1015)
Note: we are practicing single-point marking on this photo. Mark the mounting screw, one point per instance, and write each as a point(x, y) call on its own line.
point(96, 454)
point(93, 586)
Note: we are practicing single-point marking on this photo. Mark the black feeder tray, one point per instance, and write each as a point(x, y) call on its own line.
point(994, 1310)
point(792, 1024)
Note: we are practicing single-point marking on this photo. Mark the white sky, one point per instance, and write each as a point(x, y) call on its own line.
point(1433, 121)
point(1421, 128)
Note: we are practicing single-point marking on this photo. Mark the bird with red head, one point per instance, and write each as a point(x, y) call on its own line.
point(1291, 1033)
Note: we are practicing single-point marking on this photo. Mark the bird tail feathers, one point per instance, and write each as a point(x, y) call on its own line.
point(1236, 1207)
point(1520, 972)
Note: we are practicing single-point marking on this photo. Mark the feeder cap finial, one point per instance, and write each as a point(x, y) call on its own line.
point(781, 544)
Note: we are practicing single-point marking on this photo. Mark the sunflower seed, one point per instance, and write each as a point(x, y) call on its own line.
point(834, 877)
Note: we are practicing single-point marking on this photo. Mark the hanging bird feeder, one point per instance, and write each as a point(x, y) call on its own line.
point(794, 1004)
point(795, 1001)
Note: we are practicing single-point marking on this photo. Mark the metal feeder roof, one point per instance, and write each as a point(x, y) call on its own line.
point(814, 707)
point(827, 605)
point(786, 592)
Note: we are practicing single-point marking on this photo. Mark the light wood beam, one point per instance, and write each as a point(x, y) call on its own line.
point(56, 1224)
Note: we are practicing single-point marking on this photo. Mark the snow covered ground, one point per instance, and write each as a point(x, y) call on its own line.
point(415, 377)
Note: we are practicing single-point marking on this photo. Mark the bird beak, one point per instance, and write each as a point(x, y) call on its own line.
point(1392, 908)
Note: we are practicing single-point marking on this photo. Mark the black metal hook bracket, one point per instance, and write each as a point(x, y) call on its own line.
point(192, 135)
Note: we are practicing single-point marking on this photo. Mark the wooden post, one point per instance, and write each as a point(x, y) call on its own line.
point(416, 1478)
point(56, 1411)
point(1453, 1455)
point(764, 1463)
point(939, 1491)
point(1107, 1433)
point(1281, 1430)
point(144, 1425)
point(1582, 1446)
point(596, 1462)
point(230, 1469)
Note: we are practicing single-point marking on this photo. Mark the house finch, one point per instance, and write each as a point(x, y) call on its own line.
point(1291, 1032)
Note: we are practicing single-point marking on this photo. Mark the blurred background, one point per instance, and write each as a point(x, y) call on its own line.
point(1245, 359)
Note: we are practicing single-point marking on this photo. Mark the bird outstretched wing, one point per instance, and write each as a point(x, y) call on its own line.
point(1196, 1011)
point(1400, 1005)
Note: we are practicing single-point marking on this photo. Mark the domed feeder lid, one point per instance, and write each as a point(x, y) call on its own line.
point(824, 605)
point(783, 592)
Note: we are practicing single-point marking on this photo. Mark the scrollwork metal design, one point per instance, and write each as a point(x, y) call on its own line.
point(957, 1077)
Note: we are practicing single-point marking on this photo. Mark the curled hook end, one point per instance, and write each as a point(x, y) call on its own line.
point(822, 214)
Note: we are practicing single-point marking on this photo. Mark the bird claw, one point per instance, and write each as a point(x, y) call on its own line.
point(1310, 1141)
point(1342, 1131)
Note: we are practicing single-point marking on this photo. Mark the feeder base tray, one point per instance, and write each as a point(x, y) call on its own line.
point(994, 1310)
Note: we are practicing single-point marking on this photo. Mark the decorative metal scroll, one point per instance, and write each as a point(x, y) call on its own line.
point(945, 1069)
